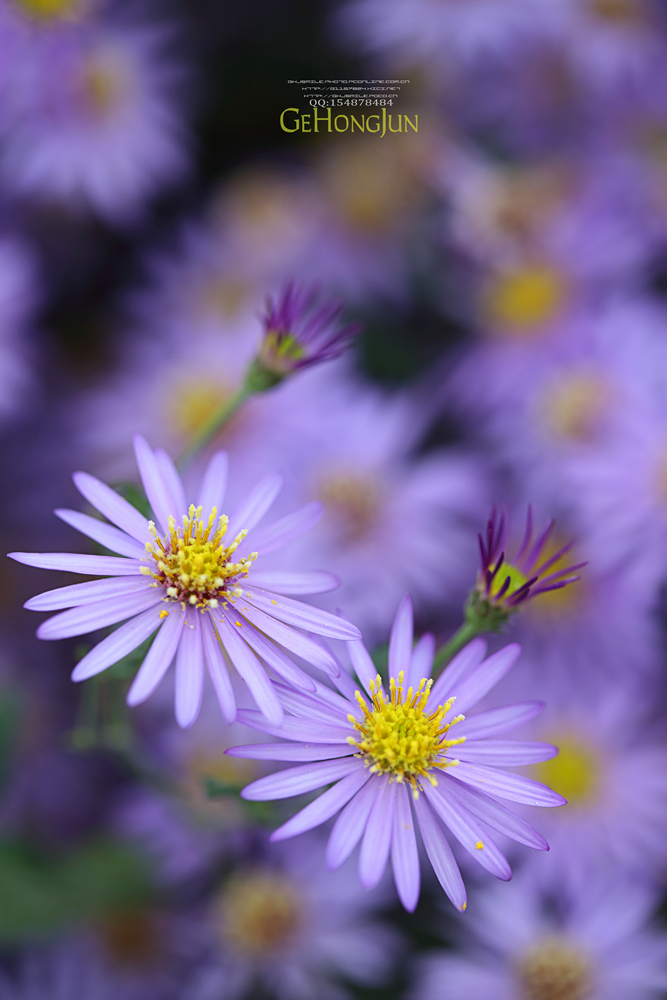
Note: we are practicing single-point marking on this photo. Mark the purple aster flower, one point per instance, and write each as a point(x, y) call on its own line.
point(96, 123)
point(594, 945)
point(189, 575)
point(448, 772)
point(285, 924)
point(299, 332)
point(611, 767)
point(502, 586)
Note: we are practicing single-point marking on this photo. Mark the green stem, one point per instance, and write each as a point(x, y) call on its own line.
point(211, 426)
point(463, 635)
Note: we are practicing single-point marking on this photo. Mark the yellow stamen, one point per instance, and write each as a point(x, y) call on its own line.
point(193, 564)
point(399, 737)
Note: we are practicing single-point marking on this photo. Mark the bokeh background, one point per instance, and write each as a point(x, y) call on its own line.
point(509, 264)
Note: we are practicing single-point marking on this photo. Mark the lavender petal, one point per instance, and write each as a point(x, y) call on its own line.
point(376, 841)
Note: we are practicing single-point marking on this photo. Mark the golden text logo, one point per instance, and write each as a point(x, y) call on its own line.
point(293, 120)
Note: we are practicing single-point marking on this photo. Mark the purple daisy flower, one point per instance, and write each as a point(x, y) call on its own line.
point(448, 772)
point(595, 945)
point(299, 332)
point(193, 580)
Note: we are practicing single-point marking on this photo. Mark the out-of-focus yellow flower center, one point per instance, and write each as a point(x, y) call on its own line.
point(573, 408)
point(131, 937)
point(354, 501)
point(104, 82)
point(574, 773)
point(192, 564)
point(519, 302)
point(621, 12)
point(524, 198)
point(193, 401)
point(554, 969)
point(262, 912)
point(399, 737)
point(223, 296)
point(370, 193)
point(50, 10)
point(561, 602)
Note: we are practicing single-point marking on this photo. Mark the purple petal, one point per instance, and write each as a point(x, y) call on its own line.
point(117, 645)
point(469, 657)
point(86, 593)
point(189, 671)
point(159, 497)
point(159, 657)
point(214, 484)
point(252, 509)
point(275, 658)
point(440, 854)
point(251, 670)
point(363, 665)
point(400, 640)
point(506, 786)
point(506, 753)
point(485, 677)
point(324, 807)
point(108, 536)
point(469, 832)
point(217, 668)
point(287, 529)
point(172, 482)
point(350, 825)
point(302, 615)
point(114, 507)
point(291, 638)
point(494, 814)
point(291, 751)
point(307, 706)
point(73, 562)
point(497, 721)
point(404, 856)
point(303, 730)
point(284, 582)
point(421, 663)
point(90, 617)
point(377, 835)
point(298, 780)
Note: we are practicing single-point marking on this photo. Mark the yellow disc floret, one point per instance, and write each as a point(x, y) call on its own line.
point(262, 913)
point(399, 737)
point(192, 563)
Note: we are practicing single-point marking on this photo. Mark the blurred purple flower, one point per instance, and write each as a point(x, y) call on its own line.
point(282, 922)
point(95, 122)
point(356, 741)
point(593, 946)
point(187, 583)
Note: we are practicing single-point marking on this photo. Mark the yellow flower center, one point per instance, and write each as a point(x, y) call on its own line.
point(621, 12)
point(574, 773)
point(261, 912)
point(353, 500)
point(50, 10)
point(399, 737)
point(191, 562)
point(104, 82)
point(517, 579)
point(192, 401)
point(573, 408)
point(520, 301)
point(554, 970)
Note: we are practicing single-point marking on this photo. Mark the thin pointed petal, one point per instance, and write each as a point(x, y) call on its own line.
point(117, 645)
point(108, 536)
point(404, 855)
point(158, 659)
point(189, 672)
point(400, 640)
point(214, 484)
point(114, 507)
